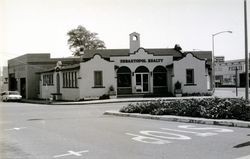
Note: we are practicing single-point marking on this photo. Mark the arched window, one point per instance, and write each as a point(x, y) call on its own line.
point(123, 77)
point(160, 69)
point(123, 69)
point(135, 38)
point(141, 69)
point(160, 76)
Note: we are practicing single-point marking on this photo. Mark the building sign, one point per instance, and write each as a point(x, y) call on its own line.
point(141, 60)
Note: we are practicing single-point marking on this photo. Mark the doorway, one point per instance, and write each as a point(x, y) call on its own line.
point(142, 84)
point(142, 79)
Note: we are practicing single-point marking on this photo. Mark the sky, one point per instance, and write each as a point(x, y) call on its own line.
point(41, 26)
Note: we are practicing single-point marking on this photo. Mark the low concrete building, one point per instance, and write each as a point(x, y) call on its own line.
point(133, 71)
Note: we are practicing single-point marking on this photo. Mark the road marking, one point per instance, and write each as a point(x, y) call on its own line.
point(79, 153)
point(244, 157)
point(171, 137)
point(163, 137)
point(192, 132)
point(15, 129)
point(205, 128)
point(148, 140)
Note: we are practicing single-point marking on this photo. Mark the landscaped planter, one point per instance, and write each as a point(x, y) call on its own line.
point(213, 108)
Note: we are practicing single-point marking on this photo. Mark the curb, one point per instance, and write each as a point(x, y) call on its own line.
point(35, 102)
point(231, 123)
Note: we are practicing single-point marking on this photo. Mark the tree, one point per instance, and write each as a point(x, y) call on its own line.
point(81, 39)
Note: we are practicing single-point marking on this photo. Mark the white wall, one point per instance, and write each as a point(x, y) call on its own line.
point(70, 94)
point(86, 82)
point(67, 93)
point(141, 54)
point(200, 78)
point(45, 91)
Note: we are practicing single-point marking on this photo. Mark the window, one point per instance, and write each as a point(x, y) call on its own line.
point(138, 79)
point(190, 76)
point(160, 76)
point(124, 77)
point(48, 79)
point(70, 79)
point(98, 79)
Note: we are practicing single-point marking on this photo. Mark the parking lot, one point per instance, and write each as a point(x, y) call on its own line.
point(230, 92)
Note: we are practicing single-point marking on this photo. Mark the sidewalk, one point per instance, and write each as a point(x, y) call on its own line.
point(221, 122)
point(120, 100)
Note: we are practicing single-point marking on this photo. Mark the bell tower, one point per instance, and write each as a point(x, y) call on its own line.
point(134, 41)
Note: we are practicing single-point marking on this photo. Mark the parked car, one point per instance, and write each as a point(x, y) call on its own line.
point(10, 96)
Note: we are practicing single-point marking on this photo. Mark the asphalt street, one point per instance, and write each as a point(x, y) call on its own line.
point(33, 131)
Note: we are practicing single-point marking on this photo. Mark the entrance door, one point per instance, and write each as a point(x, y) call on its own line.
point(142, 83)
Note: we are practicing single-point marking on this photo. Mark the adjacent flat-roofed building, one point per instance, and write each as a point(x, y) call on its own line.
point(129, 72)
point(22, 72)
point(226, 74)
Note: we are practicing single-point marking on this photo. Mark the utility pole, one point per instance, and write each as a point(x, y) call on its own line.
point(246, 52)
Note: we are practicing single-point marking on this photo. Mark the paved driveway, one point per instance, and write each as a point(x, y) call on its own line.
point(229, 92)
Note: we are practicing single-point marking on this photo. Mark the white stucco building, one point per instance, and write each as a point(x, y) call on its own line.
point(133, 71)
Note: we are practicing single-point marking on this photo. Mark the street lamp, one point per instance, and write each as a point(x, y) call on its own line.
point(213, 57)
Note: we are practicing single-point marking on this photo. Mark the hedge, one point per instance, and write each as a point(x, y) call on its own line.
point(213, 108)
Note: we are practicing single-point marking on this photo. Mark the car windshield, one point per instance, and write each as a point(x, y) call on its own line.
point(13, 93)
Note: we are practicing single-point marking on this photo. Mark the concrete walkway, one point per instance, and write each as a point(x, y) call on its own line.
point(117, 100)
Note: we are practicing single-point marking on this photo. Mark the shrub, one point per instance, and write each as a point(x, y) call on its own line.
point(142, 108)
point(215, 108)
